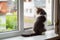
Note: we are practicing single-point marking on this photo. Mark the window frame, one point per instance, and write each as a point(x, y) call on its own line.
point(20, 27)
point(52, 19)
point(52, 12)
point(21, 20)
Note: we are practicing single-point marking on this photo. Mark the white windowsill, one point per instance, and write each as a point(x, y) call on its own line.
point(10, 34)
point(48, 35)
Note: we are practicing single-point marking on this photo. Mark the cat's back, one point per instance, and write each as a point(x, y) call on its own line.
point(41, 19)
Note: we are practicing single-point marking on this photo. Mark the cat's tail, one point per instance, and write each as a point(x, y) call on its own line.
point(34, 34)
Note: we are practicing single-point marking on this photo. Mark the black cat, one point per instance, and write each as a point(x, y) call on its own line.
point(39, 24)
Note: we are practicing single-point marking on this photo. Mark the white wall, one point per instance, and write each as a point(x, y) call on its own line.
point(28, 6)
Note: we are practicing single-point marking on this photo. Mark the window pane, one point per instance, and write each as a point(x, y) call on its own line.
point(8, 15)
point(30, 17)
point(30, 10)
point(40, 3)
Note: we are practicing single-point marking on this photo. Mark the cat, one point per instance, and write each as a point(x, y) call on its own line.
point(39, 24)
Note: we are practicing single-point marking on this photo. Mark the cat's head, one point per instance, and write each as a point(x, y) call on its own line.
point(40, 11)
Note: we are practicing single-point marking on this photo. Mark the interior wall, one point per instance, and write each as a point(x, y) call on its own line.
point(55, 14)
point(58, 16)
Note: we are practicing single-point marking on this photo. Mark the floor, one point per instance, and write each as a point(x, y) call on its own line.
point(48, 34)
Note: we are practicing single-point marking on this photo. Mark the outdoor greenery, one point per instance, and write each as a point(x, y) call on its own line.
point(11, 22)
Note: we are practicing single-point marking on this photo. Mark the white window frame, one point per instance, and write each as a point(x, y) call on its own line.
point(20, 22)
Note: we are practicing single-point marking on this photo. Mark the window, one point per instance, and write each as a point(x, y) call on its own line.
point(13, 20)
point(10, 18)
point(29, 18)
point(40, 3)
point(26, 10)
point(30, 10)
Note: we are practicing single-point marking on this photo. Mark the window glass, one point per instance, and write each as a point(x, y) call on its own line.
point(30, 10)
point(8, 15)
point(30, 17)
